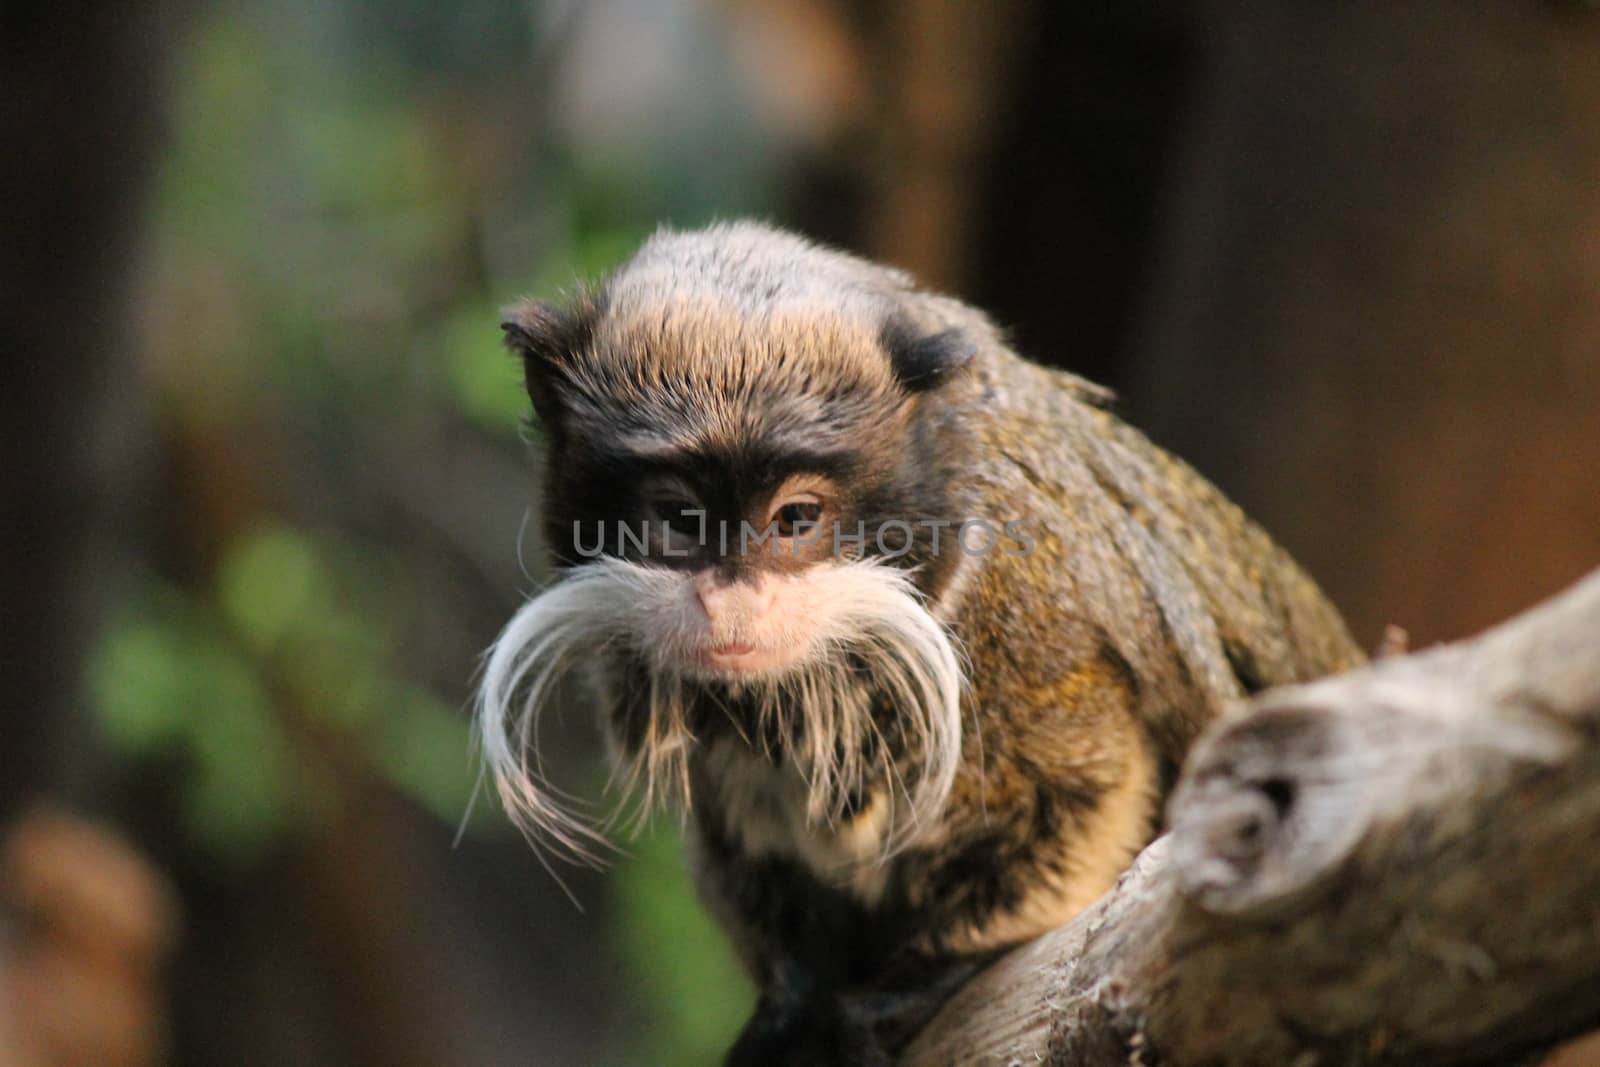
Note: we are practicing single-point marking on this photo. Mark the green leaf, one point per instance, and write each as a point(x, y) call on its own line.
point(423, 748)
point(699, 995)
point(240, 796)
point(484, 377)
point(141, 684)
point(268, 582)
point(163, 682)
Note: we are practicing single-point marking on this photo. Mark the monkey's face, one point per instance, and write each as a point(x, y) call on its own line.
point(749, 546)
point(746, 546)
point(738, 503)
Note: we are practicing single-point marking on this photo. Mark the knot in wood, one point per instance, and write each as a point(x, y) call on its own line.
point(1240, 828)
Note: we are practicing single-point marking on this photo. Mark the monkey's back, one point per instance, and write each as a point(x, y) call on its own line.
point(1199, 601)
point(1146, 603)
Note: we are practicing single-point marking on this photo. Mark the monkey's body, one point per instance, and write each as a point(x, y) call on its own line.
point(1148, 603)
point(1145, 603)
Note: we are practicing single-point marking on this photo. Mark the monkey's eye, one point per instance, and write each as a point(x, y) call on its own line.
point(685, 516)
point(805, 510)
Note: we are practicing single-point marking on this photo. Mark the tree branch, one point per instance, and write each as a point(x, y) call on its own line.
point(1397, 865)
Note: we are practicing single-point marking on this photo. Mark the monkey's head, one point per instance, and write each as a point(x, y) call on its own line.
point(751, 508)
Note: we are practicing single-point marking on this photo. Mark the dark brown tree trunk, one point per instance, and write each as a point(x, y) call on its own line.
point(78, 111)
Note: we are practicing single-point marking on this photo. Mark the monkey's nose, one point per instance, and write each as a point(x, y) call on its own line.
point(723, 600)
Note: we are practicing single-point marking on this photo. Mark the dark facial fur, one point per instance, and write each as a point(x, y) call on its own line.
point(896, 764)
point(711, 359)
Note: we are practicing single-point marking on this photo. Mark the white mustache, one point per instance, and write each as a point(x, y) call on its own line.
point(861, 614)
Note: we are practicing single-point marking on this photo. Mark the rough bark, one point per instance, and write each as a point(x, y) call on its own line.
point(1393, 866)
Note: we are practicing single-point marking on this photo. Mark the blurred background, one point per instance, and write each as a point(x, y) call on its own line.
point(266, 470)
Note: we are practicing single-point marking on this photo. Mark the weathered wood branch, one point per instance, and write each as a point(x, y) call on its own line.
point(1399, 865)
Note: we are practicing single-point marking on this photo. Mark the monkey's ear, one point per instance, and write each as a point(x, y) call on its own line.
point(544, 336)
point(923, 361)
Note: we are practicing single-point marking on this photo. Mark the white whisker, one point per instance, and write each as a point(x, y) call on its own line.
point(866, 632)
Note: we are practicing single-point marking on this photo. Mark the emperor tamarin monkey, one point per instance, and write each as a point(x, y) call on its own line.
point(914, 632)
